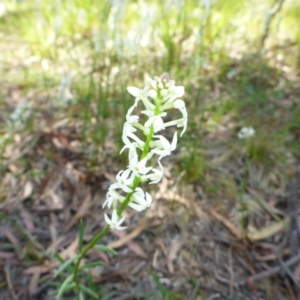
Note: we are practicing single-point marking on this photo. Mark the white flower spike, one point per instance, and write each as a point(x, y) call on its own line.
point(159, 96)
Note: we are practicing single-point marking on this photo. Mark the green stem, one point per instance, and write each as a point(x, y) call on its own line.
point(87, 248)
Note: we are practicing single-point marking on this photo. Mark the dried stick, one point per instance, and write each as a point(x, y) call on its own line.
point(287, 271)
point(271, 271)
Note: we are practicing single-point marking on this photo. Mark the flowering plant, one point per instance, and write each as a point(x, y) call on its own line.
point(143, 142)
point(245, 133)
point(158, 96)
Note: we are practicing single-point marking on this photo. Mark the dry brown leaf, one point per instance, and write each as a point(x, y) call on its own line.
point(28, 188)
point(6, 255)
point(55, 244)
point(71, 251)
point(264, 233)
point(57, 202)
point(45, 268)
point(172, 255)
point(102, 255)
point(81, 212)
point(133, 234)
point(10, 236)
point(155, 263)
point(171, 196)
point(33, 283)
point(226, 223)
point(268, 231)
point(49, 265)
point(48, 177)
point(27, 219)
point(136, 248)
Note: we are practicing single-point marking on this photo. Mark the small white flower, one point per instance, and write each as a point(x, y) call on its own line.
point(175, 92)
point(155, 176)
point(179, 123)
point(246, 132)
point(127, 133)
point(115, 220)
point(141, 95)
point(112, 198)
point(129, 117)
point(157, 122)
point(163, 146)
point(139, 167)
point(123, 181)
point(140, 200)
point(127, 128)
point(154, 118)
point(131, 121)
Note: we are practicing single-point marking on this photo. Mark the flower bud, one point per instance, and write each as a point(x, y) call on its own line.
point(164, 92)
point(152, 94)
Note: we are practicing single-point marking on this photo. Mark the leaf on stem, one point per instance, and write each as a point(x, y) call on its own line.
point(105, 249)
point(64, 285)
point(89, 292)
point(66, 264)
point(92, 265)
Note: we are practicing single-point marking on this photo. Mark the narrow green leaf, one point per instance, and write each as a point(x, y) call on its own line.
point(81, 230)
point(89, 291)
point(105, 249)
point(92, 264)
point(81, 296)
point(64, 285)
point(65, 265)
point(59, 258)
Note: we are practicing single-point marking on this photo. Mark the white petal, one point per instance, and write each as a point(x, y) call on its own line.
point(137, 207)
point(148, 199)
point(134, 91)
point(174, 141)
point(179, 91)
point(179, 104)
point(107, 219)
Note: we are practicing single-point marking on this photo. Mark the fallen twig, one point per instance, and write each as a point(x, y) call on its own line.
point(271, 271)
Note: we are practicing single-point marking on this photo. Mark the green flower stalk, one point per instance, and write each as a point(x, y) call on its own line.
point(158, 97)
